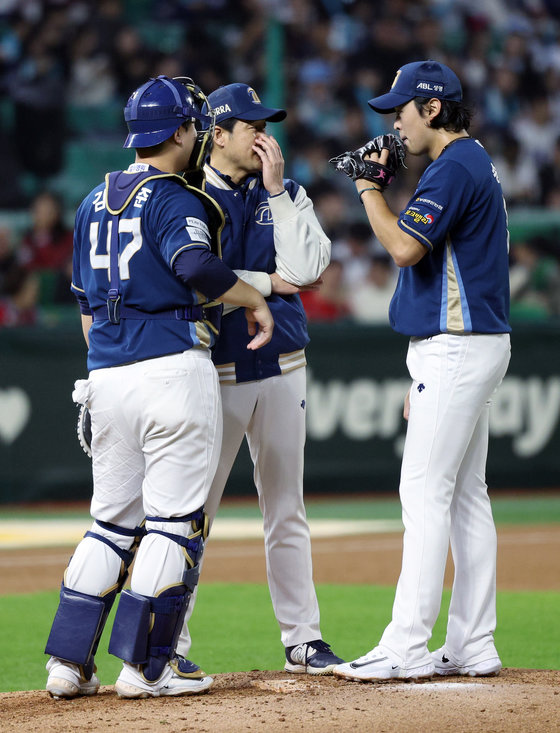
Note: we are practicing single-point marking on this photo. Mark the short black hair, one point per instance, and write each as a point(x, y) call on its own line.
point(453, 116)
point(228, 124)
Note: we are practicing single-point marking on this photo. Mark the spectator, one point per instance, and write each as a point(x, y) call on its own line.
point(507, 54)
point(131, 60)
point(37, 87)
point(330, 207)
point(327, 304)
point(537, 130)
point(501, 100)
point(354, 251)
point(18, 305)
point(91, 77)
point(8, 258)
point(518, 174)
point(62, 295)
point(549, 178)
point(369, 301)
point(47, 244)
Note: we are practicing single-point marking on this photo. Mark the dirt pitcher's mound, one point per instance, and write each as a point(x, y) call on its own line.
point(518, 700)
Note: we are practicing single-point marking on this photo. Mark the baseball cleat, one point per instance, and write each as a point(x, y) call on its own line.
point(446, 665)
point(312, 657)
point(179, 677)
point(375, 666)
point(66, 680)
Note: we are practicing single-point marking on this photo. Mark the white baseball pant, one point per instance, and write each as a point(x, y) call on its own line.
point(156, 428)
point(444, 496)
point(271, 413)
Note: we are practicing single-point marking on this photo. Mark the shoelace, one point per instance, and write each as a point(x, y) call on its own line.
point(320, 646)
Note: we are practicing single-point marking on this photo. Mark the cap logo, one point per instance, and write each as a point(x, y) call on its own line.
point(254, 96)
point(222, 109)
point(429, 86)
point(396, 77)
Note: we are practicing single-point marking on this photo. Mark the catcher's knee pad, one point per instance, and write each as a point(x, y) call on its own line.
point(192, 544)
point(77, 627)
point(146, 628)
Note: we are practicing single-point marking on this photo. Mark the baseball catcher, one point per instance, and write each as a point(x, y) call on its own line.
point(355, 165)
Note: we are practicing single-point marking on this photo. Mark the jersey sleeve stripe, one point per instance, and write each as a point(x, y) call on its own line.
point(420, 237)
point(188, 246)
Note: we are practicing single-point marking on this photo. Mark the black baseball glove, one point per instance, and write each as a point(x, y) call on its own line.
point(83, 429)
point(354, 165)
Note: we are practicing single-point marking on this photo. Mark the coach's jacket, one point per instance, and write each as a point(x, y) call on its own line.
point(264, 234)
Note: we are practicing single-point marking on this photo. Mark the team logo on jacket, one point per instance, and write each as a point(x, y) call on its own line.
point(263, 215)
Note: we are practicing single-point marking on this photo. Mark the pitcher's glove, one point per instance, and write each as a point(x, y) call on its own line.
point(83, 429)
point(354, 165)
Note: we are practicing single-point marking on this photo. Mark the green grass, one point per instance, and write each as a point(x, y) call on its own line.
point(518, 509)
point(234, 629)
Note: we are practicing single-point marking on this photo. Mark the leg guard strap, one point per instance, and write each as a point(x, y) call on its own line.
point(193, 544)
point(127, 556)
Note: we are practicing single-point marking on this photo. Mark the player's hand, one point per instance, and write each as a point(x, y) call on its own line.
point(406, 408)
point(268, 150)
point(282, 287)
point(260, 325)
point(382, 157)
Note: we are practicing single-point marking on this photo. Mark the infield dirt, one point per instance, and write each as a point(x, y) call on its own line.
point(518, 701)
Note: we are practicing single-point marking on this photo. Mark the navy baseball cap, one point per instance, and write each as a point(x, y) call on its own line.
point(419, 79)
point(241, 102)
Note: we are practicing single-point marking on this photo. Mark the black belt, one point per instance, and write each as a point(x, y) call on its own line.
point(182, 313)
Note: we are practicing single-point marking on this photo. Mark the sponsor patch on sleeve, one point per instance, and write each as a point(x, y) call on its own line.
point(416, 215)
point(197, 229)
point(429, 202)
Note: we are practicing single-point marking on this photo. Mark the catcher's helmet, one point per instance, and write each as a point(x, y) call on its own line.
point(159, 107)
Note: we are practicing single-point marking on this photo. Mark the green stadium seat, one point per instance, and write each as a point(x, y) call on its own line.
point(87, 162)
point(96, 119)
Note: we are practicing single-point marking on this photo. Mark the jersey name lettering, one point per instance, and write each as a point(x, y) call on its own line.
point(98, 201)
point(142, 197)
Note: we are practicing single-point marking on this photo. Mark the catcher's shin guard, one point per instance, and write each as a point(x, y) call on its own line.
point(77, 627)
point(146, 628)
point(80, 618)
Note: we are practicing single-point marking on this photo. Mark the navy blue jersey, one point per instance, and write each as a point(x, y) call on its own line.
point(248, 244)
point(159, 221)
point(458, 213)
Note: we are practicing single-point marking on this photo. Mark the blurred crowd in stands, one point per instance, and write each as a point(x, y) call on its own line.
point(68, 66)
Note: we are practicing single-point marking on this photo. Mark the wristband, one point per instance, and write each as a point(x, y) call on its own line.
point(371, 188)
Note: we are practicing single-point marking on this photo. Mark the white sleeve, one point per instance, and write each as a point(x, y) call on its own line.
point(303, 250)
point(259, 280)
